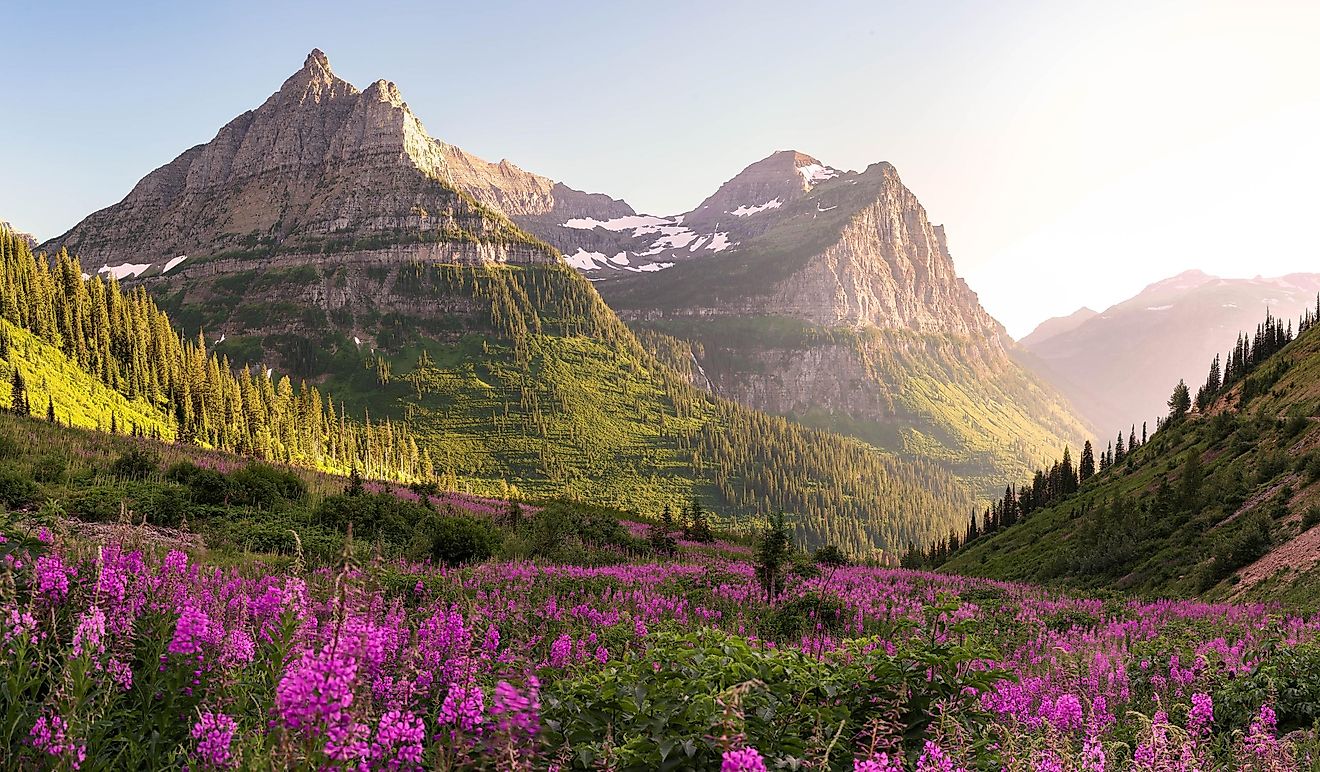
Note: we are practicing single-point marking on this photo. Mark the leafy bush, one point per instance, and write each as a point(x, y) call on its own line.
point(16, 488)
point(162, 504)
point(669, 700)
point(264, 486)
point(1251, 541)
point(135, 464)
point(50, 468)
point(562, 529)
point(206, 486)
point(452, 540)
point(373, 516)
point(97, 504)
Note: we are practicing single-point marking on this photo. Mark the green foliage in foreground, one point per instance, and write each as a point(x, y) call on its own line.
point(675, 700)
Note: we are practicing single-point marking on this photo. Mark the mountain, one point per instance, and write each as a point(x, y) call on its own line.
point(836, 302)
point(326, 235)
point(1057, 325)
point(1118, 367)
point(630, 243)
point(1223, 502)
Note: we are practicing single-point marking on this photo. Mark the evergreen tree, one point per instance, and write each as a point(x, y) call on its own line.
point(18, 399)
point(355, 486)
point(1086, 467)
point(1180, 402)
point(772, 556)
point(1119, 451)
point(50, 409)
point(700, 526)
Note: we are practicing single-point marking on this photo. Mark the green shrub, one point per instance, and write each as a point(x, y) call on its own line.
point(135, 464)
point(162, 504)
point(17, 489)
point(669, 699)
point(97, 504)
point(50, 468)
point(264, 486)
point(451, 540)
point(1312, 517)
point(206, 486)
point(373, 515)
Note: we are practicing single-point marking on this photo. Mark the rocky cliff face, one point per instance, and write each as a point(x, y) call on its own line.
point(841, 306)
point(321, 168)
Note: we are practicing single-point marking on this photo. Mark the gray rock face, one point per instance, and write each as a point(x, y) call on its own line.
point(321, 168)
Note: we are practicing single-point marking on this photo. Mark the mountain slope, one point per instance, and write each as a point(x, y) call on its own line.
point(1117, 367)
point(328, 237)
point(1226, 502)
point(844, 310)
point(1057, 325)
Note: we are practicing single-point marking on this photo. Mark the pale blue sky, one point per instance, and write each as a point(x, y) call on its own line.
point(1074, 151)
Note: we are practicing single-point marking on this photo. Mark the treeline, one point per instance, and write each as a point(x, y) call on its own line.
point(1061, 480)
point(125, 341)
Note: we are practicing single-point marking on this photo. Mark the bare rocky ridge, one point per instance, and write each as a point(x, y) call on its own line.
point(318, 168)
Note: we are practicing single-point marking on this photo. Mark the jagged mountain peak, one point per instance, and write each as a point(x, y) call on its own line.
point(317, 60)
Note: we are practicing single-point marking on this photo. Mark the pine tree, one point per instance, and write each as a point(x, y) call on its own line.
point(50, 409)
point(19, 400)
point(772, 555)
point(1180, 402)
point(1086, 467)
point(700, 526)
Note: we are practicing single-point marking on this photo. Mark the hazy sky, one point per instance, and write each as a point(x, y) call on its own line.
point(1075, 151)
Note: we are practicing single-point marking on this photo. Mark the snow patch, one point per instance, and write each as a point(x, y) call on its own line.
point(222, 339)
point(357, 341)
point(620, 259)
point(748, 211)
point(584, 260)
point(719, 243)
point(1158, 308)
point(813, 173)
point(652, 267)
point(819, 208)
point(173, 262)
point(618, 223)
point(125, 270)
point(1230, 305)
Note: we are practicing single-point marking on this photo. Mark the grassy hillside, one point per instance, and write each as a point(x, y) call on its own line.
point(1223, 503)
point(520, 379)
point(79, 399)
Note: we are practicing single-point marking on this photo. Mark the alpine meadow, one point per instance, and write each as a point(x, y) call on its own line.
point(330, 445)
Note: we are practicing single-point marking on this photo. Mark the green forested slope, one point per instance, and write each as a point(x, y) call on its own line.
point(96, 356)
point(1224, 500)
point(519, 376)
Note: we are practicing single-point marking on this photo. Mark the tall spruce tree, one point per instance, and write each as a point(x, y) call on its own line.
point(1086, 466)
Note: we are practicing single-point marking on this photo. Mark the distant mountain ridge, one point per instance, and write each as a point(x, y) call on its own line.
point(1117, 366)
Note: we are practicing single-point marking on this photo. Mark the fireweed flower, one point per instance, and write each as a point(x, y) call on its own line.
point(90, 634)
point(464, 708)
point(934, 759)
point(214, 734)
point(880, 762)
point(50, 735)
point(399, 737)
point(742, 760)
point(516, 712)
point(317, 691)
point(52, 578)
point(191, 631)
